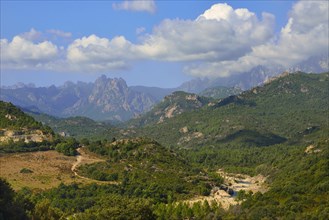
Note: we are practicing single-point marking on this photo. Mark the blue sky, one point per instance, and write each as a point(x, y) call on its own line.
point(153, 43)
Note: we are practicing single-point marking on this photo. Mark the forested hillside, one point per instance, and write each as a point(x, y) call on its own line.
point(220, 92)
point(171, 106)
point(77, 127)
point(18, 129)
point(282, 110)
point(13, 118)
point(278, 131)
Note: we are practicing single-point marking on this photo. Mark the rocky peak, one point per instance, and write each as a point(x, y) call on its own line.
point(115, 84)
point(68, 84)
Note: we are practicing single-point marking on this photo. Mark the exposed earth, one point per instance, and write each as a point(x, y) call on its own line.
point(236, 182)
point(47, 169)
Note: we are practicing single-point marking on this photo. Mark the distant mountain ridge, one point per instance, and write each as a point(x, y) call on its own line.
point(105, 99)
point(257, 75)
point(112, 100)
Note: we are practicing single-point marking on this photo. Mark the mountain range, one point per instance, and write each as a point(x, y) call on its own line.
point(105, 99)
point(113, 100)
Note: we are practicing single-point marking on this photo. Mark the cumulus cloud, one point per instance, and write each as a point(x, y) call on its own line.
point(220, 42)
point(228, 36)
point(22, 53)
point(305, 35)
point(99, 54)
point(221, 33)
point(136, 5)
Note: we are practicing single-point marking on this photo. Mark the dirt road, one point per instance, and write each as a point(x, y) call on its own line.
point(87, 158)
point(83, 158)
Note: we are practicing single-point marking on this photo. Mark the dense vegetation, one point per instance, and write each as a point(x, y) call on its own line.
point(171, 106)
point(299, 190)
point(299, 187)
point(68, 147)
point(95, 202)
point(21, 146)
point(279, 130)
point(22, 125)
point(220, 92)
point(13, 118)
point(147, 169)
point(77, 127)
point(283, 109)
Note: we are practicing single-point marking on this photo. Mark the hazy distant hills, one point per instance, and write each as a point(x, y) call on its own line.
point(105, 99)
point(256, 76)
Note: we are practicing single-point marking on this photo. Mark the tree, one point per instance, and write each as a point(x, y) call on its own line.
point(44, 211)
point(9, 208)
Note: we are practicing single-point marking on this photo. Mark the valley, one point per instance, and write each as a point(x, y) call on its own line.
point(164, 110)
point(259, 153)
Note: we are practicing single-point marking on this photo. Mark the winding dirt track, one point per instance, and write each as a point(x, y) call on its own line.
point(85, 158)
point(76, 164)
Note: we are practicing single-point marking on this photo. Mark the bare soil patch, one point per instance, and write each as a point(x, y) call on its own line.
point(236, 182)
point(49, 169)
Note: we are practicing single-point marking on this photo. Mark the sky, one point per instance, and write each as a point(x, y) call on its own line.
point(155, 43)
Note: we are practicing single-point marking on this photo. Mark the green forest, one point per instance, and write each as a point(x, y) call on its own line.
point(151, 170)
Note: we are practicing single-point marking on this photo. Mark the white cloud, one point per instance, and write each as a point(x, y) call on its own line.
point(38, 36)
point(32, 35)
point(219, 42)
point(305, 35)
point(99, 54)
point(136, 5)
point(204, 39)
point(221, 33)
point(60, 33)
point(22, 53)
